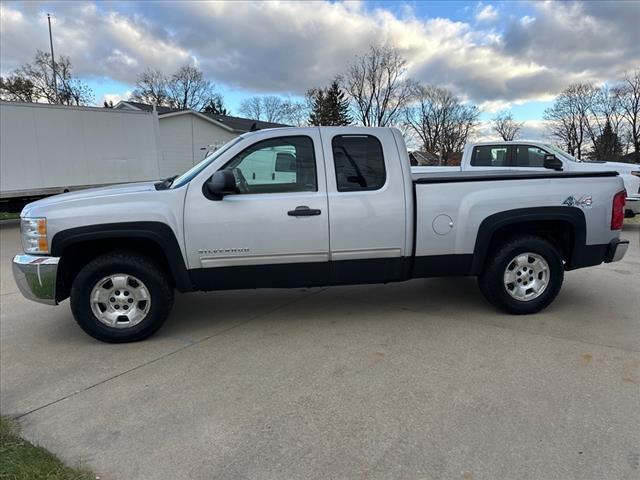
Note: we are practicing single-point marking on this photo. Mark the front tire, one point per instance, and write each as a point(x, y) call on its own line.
point(121, 297)
point(523, 275)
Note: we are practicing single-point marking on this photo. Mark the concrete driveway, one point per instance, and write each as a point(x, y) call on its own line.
point(417, 380)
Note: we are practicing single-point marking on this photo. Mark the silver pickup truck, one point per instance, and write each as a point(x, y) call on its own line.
point(302, 207)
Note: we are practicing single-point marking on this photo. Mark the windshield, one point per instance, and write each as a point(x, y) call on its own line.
point(561, 153)
point(187, 176)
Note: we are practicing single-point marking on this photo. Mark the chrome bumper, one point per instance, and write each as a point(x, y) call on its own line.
point(36, 277)
point(616, 250)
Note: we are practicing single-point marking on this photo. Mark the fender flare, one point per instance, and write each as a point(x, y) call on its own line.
point(157, 232)
point(490, 225)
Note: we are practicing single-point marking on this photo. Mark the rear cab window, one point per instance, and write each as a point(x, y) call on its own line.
point(490, 156)
point(359, 163)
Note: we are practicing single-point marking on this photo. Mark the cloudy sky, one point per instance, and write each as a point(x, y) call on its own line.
point(496, 54)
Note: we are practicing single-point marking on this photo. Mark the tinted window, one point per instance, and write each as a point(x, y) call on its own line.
point(284, 164)
point(359, 163)
point(529, 156)
point(490, 156)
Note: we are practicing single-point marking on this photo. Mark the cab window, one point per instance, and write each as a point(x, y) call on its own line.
point(283, 164)
point(490, 156)
point(529, 156)
point(359, 163)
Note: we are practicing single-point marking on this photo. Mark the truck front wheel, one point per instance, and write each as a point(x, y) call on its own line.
point(523, 275)
point(121, 297)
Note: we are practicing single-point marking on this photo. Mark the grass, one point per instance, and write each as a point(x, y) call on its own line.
point(9, 215)
point(20, 460)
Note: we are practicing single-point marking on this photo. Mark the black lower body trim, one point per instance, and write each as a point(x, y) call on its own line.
point(442, 265)
point(346, 272)
point(587, 256)
point(286, 275)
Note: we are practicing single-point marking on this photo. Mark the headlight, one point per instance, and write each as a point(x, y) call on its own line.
point(636, 173)
point(34, 235)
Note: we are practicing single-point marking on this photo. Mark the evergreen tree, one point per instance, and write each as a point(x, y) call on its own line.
point(215, 106)
point(329, 106)
point(608, 145)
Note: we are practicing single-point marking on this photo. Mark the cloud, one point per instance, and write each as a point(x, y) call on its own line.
point(288, 47)
point(486, 13)
point(114, 97)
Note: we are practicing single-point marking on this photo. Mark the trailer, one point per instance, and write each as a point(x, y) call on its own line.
point(49, 149)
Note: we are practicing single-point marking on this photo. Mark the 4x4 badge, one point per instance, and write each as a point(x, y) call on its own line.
point(584, 201)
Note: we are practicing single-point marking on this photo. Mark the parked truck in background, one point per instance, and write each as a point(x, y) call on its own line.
point(338, 205)
point(524, 155)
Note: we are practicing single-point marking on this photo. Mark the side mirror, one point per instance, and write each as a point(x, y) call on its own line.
point(552, 162)
point(220, 184)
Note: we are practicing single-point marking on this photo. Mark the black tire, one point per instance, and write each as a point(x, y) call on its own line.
point(155, 279)
point(492, 284)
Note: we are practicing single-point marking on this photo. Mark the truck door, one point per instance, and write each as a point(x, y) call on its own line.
point(366, 196)
point(528, 157)
point(275, 232)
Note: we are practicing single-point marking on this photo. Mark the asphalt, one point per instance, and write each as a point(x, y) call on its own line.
point(417, 380)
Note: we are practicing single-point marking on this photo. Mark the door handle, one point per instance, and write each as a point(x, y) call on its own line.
point(304, 211)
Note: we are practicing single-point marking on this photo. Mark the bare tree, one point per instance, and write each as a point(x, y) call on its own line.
point(252, 108)
point(33, 82)
point(151, 88)
point(272, 108)
point(377, 86)
point(628, 95)
point(505, 126)
point(187, 88)
point(275, 108)
point(568, 117)
point(441, 121)
point(297, 112)
point(17, 89)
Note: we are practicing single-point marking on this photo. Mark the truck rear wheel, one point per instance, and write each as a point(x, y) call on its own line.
point(523, 275)
point(121, 297)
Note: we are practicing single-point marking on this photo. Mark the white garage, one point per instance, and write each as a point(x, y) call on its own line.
point(186, 135)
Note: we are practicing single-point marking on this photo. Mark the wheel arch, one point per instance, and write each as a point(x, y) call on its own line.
point(565, 227)
point(78, 245)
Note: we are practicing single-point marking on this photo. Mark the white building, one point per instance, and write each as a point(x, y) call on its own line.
point(186, 135)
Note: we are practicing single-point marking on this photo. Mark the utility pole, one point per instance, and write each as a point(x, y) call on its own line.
point(53, 60)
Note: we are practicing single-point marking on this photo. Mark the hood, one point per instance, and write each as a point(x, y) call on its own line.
point(621, 168)
point(90, 194)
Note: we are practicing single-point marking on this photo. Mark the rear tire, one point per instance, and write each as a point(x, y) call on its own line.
point(523, 275)
point(121, 297)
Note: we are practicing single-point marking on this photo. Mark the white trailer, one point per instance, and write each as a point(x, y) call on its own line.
point(48, 149)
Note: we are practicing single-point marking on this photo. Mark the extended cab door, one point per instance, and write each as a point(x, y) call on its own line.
point(367, 205)
point(276, 231)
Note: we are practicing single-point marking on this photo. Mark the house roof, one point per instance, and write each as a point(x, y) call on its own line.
point(235, 124)
point(146, 107)
point(243, 124)
point(424, 158)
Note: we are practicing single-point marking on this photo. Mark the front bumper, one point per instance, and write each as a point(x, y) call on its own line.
point(36, 277)
point(617, 249)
